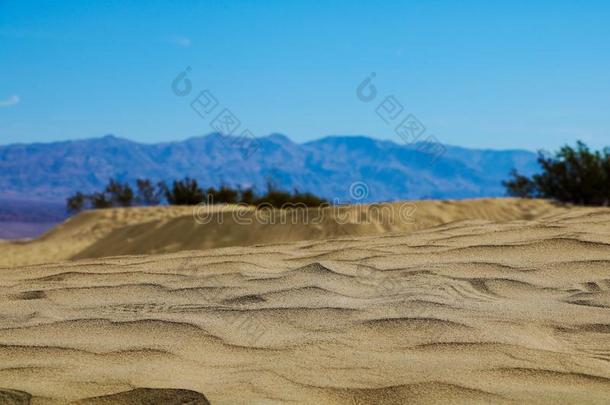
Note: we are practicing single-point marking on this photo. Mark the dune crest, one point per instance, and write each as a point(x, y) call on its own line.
point(168, 229)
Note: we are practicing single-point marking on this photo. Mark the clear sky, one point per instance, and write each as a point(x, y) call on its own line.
point(512, 74)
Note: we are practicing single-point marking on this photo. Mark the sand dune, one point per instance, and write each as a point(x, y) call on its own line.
point(153, 230)
point(486, 301)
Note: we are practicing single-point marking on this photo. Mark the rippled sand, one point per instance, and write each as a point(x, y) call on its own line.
point(491, 310)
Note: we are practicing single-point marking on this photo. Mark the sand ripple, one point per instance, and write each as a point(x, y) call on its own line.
point(475, 311)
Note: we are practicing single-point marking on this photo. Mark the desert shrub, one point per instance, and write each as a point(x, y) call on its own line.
point(115, 194)
point(247, 196)
point(275, 198)
point(119, 194)
point(278, 198)
point(224, 195)
point(99, 200)
point(520, 186)
point(76, 203)
point(147, 193)
point(183, 192)
point(308, 199)
point(573, 175)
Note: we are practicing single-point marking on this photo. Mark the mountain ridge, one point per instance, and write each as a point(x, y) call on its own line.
point(325, 166)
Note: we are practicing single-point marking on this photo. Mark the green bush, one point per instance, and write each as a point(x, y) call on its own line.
point(573, 175)
point(147, 193)
point(224, 195)
point(76, 203)
point(185, 192)
point(119, 194)
point(278, 198)
point(99, 200)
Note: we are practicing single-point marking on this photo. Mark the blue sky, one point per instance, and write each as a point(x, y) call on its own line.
point(475, 73)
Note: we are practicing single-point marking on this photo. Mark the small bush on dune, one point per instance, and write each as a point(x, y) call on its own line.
point(148, 194)
point(76, 203)
point(99, 200)
point(185, 192)
point(247, 196)
point(308, 199)
point(119, 194)
point(573, 175)
point(224, 195)
point(274, 197)
point(278, 198)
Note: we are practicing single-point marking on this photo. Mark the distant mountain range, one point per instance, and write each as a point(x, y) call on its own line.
point(326, 167)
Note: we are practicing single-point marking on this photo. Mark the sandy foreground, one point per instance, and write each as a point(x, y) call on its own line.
point(483, 301)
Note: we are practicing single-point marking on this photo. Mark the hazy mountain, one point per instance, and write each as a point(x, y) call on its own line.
point(327, 166)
